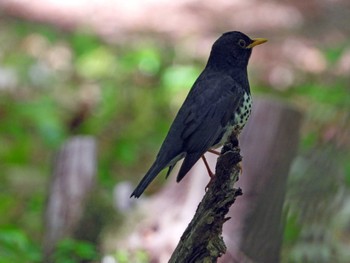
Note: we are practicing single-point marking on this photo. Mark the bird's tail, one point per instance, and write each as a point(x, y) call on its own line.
point(187, 164)
point(147, 179)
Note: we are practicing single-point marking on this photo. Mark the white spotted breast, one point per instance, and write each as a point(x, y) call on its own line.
point(239, 119)
point(243, 112)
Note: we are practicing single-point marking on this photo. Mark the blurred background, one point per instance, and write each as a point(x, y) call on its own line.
point(119, 71)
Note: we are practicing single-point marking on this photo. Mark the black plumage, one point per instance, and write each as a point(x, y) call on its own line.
point(218, 103)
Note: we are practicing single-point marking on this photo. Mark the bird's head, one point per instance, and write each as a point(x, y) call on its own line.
point(233, 49)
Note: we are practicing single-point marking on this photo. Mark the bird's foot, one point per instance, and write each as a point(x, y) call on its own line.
point(210, 182)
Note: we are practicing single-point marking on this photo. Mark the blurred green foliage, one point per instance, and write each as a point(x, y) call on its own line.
point(123, 256)
point(317, 206)
point(15, 246)
point(72, 251)
point(54, 84)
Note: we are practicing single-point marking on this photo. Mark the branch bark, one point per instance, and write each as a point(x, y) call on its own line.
point(202, 240)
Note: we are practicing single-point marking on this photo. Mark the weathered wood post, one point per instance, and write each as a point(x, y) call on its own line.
point(269, 144)
point(74, 173)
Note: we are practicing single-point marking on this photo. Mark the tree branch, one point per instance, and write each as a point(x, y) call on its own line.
point(202, 240)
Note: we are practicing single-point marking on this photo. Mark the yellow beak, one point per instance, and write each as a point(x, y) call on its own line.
point(257, 41)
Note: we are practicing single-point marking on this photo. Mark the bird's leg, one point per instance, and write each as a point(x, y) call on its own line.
point(211, 174)
point(214, 152)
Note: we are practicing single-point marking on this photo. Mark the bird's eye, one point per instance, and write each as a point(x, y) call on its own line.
point(241, 43)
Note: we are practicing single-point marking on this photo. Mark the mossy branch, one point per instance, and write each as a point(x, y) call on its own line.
point(202, 240)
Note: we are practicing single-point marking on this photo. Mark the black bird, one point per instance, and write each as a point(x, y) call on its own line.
point(218, 104)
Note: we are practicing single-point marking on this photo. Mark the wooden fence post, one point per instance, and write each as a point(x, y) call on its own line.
point(74, 173)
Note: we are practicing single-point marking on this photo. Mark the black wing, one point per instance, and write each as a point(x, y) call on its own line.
point(205, 119)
